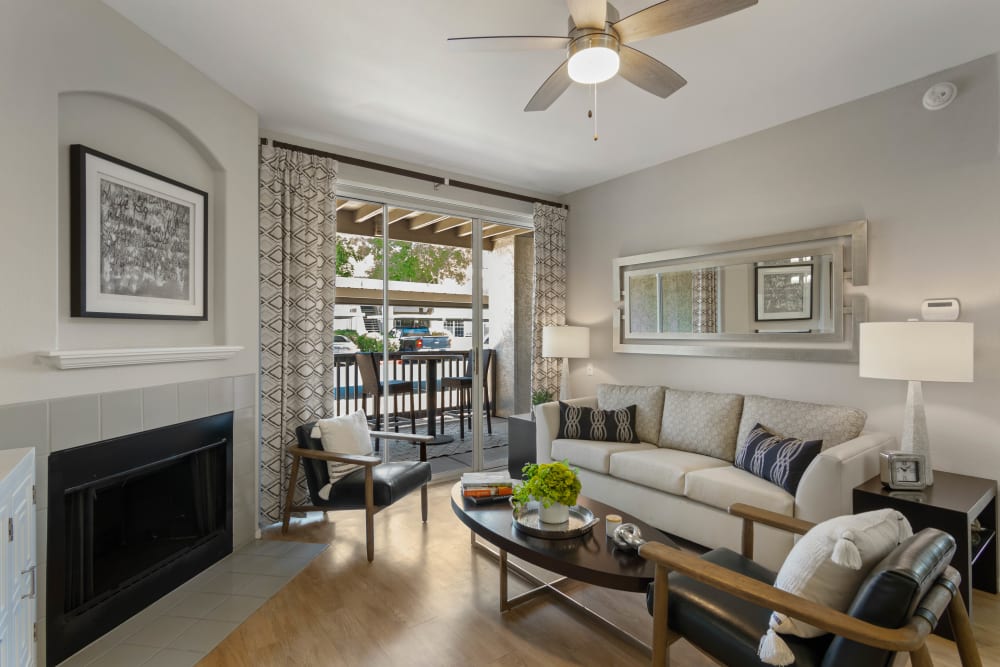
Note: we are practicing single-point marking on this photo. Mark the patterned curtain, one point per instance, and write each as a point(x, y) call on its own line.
point(705, 301)
point(549, 298)
point(298, 234)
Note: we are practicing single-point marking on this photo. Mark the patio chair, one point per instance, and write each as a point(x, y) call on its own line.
point(721, 603)
point(371, 385)
point(373, 487)
point(463, 383)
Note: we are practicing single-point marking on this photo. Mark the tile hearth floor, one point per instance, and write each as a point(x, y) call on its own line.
point(181, 628)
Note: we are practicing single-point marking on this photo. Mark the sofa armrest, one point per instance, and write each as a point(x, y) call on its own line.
point(547, 425)
point(825, 489)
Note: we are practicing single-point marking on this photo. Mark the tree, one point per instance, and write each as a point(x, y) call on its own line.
point(408, 261)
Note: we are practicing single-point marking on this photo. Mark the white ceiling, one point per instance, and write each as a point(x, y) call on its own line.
point(377, 76)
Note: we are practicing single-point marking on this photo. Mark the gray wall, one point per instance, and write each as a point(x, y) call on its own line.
point(929, 182)
point(143, 103)
point(78, 72)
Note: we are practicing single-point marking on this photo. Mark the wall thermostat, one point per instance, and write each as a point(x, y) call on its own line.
point(940, 310)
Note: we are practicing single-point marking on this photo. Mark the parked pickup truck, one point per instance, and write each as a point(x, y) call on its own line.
point(414, 339)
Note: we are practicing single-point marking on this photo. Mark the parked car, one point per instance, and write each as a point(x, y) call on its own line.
point(414, 339)
point(343, 345)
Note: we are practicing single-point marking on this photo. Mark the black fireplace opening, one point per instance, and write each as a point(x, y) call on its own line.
point(131, 519)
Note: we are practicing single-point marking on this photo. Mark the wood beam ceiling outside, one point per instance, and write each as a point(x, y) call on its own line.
point(365, 219)
point(425, 220)
point(367, 212)
point(449, 223)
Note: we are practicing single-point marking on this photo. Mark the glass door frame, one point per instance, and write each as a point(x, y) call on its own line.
point(479, 216)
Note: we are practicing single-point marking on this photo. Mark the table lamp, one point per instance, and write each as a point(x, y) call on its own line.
point(916, 352)
point(568, 343)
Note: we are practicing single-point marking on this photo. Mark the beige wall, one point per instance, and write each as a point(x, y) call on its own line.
point(146, 105)
point(929, 182)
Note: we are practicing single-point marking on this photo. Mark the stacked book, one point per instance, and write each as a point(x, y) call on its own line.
point(485, 487)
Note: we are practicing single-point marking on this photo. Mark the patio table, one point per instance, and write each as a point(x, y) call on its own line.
point(432, 359)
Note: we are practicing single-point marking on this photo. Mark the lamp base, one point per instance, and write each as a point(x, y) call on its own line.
point(564, 380)
point(914, 439)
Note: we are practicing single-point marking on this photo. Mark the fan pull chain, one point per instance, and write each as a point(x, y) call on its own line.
point(592, 113)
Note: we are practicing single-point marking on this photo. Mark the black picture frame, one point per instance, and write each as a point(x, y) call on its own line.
point(777, 302)
point(138, 241)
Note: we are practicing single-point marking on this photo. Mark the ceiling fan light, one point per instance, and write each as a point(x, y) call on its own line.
point(593, 65)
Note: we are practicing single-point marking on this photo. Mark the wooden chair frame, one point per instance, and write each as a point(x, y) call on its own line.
point(944, 597)
point(369, 462)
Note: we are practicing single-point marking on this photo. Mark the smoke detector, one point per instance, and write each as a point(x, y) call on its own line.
point(940, 95)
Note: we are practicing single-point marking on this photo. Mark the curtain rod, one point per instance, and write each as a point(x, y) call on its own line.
point(437, 180)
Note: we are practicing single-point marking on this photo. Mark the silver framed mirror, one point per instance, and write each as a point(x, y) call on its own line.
point(783, 296)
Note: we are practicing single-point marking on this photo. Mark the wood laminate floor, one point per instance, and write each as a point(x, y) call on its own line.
point(430, 599)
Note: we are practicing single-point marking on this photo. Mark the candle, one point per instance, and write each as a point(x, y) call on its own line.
point(611, 522)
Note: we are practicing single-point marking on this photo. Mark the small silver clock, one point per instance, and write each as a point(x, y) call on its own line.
point(903, 470)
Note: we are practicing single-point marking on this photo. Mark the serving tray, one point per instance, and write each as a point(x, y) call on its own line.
point(581, 521)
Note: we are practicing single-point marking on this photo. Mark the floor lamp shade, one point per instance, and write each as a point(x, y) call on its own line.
point(917, 352)
point(567, 343)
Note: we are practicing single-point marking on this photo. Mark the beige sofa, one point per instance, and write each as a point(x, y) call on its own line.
point(681, 478)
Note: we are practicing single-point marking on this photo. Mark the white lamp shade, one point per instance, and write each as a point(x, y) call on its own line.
point(923, 351)
point(566, 342)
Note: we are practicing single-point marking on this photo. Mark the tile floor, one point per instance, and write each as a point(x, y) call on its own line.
point(180, 628)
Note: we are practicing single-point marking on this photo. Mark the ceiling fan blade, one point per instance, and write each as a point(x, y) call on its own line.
point(549, 92)
point(507, 43)
point(649, 73)
point(672, 15)
point(588, 13)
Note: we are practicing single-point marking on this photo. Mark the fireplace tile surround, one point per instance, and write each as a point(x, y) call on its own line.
point(57, 424)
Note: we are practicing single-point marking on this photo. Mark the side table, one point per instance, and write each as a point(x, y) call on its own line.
point(952, 504)
point(521, 434)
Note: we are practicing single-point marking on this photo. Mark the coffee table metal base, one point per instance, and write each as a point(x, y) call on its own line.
point(543, 587)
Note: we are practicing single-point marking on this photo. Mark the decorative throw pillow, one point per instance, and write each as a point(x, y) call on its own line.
point(827, 565)
point(781, 461)
point(648, 402)
point(701, 422)
point(347, 434)
point(833, 424)
point(582, 423)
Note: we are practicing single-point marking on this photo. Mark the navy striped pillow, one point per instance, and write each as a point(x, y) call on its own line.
point(781, 461)
point(581, 423)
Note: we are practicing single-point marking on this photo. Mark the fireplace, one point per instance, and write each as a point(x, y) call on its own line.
point(130, 519)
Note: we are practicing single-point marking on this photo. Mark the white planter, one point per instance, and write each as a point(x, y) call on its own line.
point(555, 513)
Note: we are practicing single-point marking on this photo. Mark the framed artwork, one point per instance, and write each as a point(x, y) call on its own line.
point(138, 242)
point(784, 292)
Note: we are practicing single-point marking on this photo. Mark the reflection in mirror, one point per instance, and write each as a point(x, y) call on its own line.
point(790, 294)
point(782, 296)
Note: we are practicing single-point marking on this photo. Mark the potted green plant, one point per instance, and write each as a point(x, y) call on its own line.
point(538, 397)
point(554, 485)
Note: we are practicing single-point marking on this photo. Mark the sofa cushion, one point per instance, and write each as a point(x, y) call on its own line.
point(661, 469)
point(721, 487)
point(781, 461)
point(833, 424)
point(583, 423)
point(701, 422)
point(591, 454)
point(648, 402)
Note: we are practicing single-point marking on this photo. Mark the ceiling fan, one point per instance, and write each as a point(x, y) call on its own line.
point(597, 44)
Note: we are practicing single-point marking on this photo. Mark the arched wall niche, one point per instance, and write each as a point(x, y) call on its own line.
point(136, 132)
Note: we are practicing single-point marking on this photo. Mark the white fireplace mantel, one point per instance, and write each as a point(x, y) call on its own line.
point(130, 356)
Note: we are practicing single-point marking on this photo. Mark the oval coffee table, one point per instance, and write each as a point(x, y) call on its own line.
point(592, 558)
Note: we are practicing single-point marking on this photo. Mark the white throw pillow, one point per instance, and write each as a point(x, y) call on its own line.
point(827, 565)
point(344, 435)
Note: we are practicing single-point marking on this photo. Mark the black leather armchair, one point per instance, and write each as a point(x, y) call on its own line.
point(721, 602)
point(373, 487)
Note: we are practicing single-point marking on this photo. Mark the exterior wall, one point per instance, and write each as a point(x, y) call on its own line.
point(929, 182)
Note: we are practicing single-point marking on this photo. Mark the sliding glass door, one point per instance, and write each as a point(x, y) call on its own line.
point(415, 293)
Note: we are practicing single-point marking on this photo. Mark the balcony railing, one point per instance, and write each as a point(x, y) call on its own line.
point(348, 388)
